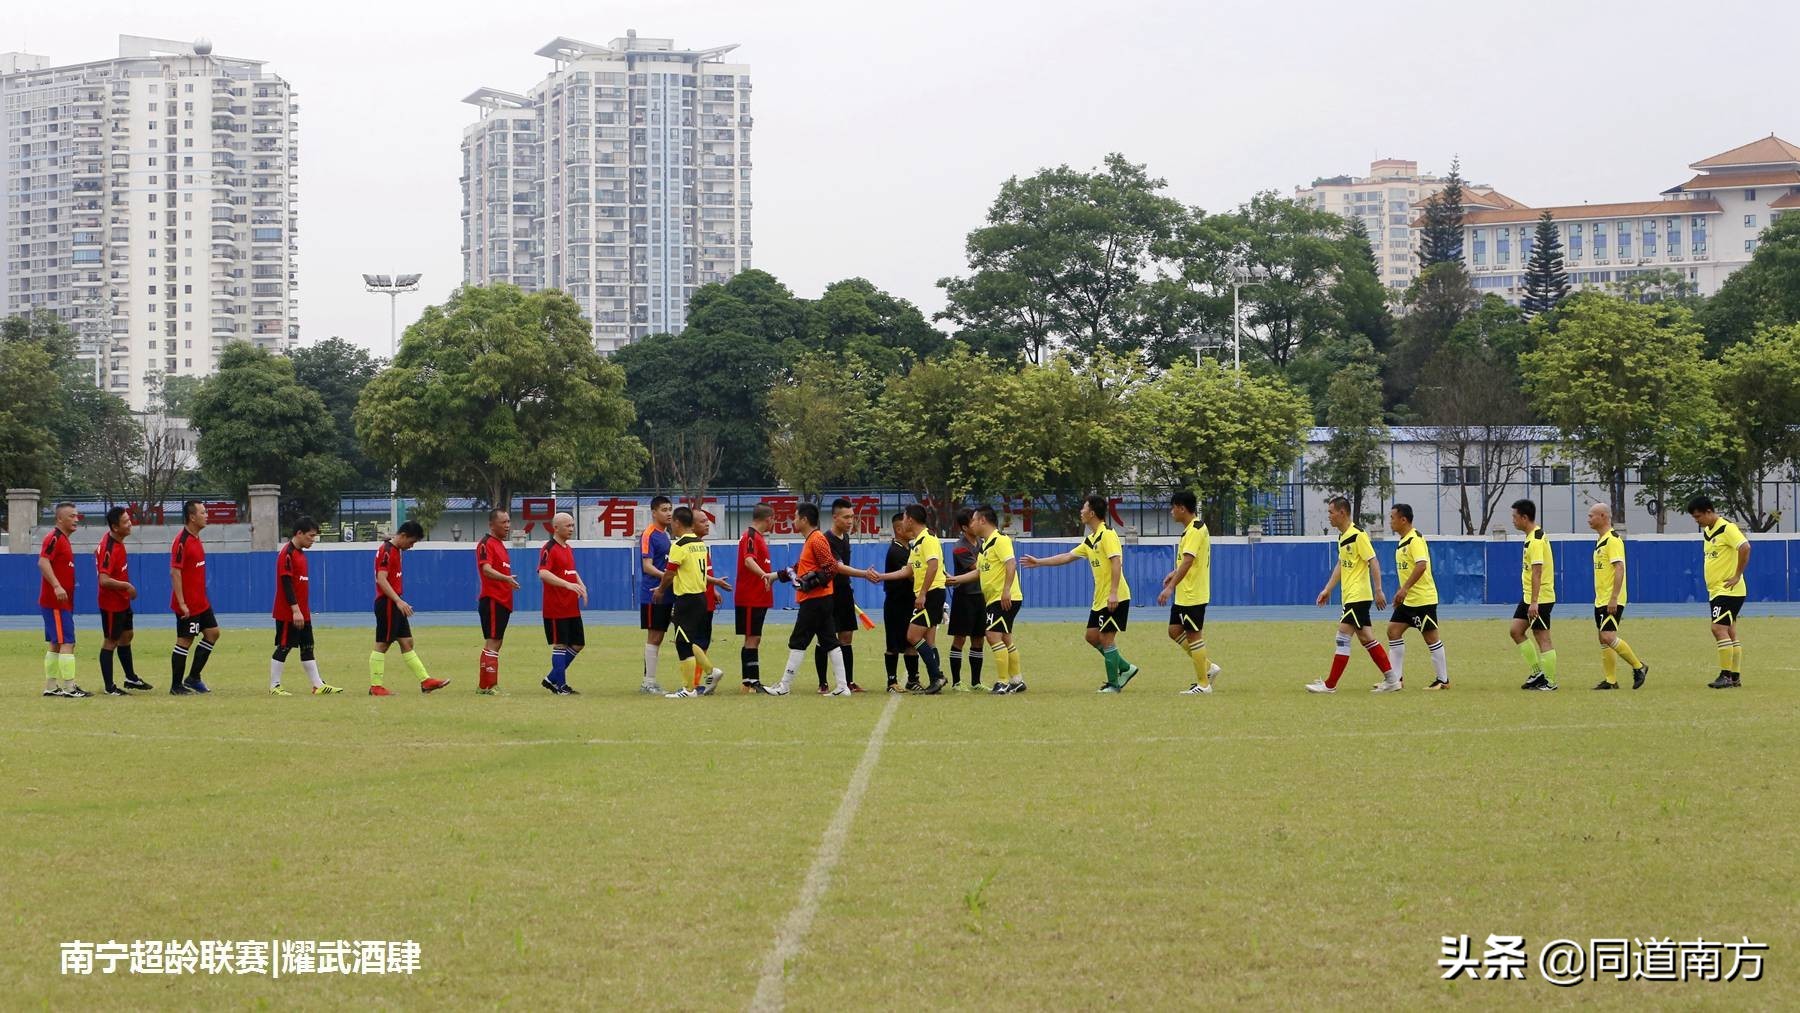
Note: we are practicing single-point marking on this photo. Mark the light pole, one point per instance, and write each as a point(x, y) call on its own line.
point(1241, 278)
point(392, 286)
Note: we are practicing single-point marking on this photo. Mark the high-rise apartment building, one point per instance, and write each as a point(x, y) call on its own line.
point(149, 201)
point(1386, 200)
point(622, 178)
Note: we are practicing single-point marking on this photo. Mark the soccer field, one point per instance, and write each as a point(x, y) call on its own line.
point(1059, 849)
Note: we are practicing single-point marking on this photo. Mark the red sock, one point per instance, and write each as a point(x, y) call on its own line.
point(1338, 661)
point(1379, 654)
point(490, 669)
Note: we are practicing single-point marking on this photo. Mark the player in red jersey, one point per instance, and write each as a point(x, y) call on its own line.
point(753, 596)
point(393, 614)
point(293, 610)
point(493, 561)
point(56, 598)
point(187, 599)
point(564, 594)
point(112, 564)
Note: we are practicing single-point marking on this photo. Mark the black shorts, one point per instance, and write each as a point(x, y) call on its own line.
point(654, 616)
point(1002, 620)
point(932, 615)
point(1189, 617)
point(567, 632)
point(1726, 608)
point(1110, 620)
point(196, 624)
point(391, 624)
point(112, 624)
point(692, 622)
point(843, 611)
point(494, 617)
point(293, 635)
point(749, 620)
point(815, 619)
point(968, 616)
point(1543, 620)
point(1355, 615)
point(1419, 617)
point(1605, 621)
point(896, 618)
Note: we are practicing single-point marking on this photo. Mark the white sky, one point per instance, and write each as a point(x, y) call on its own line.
point(883, 131)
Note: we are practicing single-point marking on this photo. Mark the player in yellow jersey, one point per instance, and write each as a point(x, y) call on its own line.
point(1531, 620)
point(998, 573)
point(1360, 582)
point(1415, 604)
point(1609, 601)
point(1112, 595)
point(1727, 553)
point(925, 562)
point(689, 574)
point(1191, 585)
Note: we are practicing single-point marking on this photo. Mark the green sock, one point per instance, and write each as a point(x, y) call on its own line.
point(1116, 662)
point(1529, 652)
point(377, 665)
point(1111, 671)
point(66, 662)
point(52, 668)
point(416, 663)
point(1549, 660)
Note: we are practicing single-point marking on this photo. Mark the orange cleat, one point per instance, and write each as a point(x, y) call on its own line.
point(431, 685)
point(379, 691)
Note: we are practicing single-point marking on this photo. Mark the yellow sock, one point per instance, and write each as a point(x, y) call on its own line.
point(1627, 653)
point(1197, 654)
point(1727, 656)
point(1012, 663)
point(416, 663)
point(52, 670)
point(702, 665)
point(377, 665)
point(1737, 657)
point(66, 664)
point(1609, 664)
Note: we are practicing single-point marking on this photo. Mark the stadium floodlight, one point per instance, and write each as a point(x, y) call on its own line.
point(392, 286)
point(1241, 278)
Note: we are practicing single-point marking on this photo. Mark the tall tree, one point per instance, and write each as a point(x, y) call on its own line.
point(889, 334)
point(917, 410)
point(1066, 258)
point(1757, 442)
point(29, 453)
point(1763, 293)
point(1546, 282)
point(1469, 397)
point(257, 424)
point(698, 381)
point(1437, 302)
point(499, 390)
point(819, 422)
point(1354, 460)
point(1441, 237)
point(337, 371)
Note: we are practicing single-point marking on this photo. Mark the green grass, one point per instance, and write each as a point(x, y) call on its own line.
point(1056, 850)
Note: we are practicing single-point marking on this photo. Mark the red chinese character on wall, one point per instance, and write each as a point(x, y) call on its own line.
point(221, 513)
point(1022, 515)
point(785, 508)
point(617, 517)
point(868, 514)
point(1112, 512)
point(142, 514)
point(537, 510)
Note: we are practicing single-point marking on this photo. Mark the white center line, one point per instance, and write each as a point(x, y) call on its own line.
point(771, 990)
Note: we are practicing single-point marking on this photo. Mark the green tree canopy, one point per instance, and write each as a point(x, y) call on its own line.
point(1441, 237)
point(704, 383)
point(1546, 282)
point(1756, 438)
point(1353, 461)
point(819, 422)
point(337, 371)
point(258, 424)
point(1763, 293)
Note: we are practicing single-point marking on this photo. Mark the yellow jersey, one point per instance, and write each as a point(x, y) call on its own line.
point(993, 556)
point(1355, 553)
point(1722, 541)
point(690, 559)
point(1413, 552)
point(925, 548)
point(1104, 555)
point(1196, 587)
point(1537, 551)
point(1608, 550)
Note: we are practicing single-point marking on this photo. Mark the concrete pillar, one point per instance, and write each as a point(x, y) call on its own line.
point(21, 517)
point(265, 517)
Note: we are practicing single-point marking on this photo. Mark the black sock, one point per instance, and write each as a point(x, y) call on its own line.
point(752, 662)
point(975, 658)
point(820, 655)
point(849, 664)
point(893, 667)
point(106, 657)
point(956, 656)
point(178, 663)
point(930, 654)
point(202, 651)
point(124, 653)
point(912, 667)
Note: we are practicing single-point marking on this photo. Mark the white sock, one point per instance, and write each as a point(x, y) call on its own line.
point(793, 665)
point(650, 652)
point(1396, 651)
point(274, 674)
point(837, 667)
point(312, 672)
point(1440, 662)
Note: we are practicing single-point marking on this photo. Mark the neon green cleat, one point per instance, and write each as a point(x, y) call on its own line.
point(487, 691)
point(278, 691)
point(326, 690)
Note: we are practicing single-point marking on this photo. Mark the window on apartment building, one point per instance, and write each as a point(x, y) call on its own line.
point(1557, 474)
point(1749, 221)
point(1749, 194)
point(1749, 246)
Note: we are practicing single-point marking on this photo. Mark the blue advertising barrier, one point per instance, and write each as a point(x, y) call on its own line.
point(1270, 572)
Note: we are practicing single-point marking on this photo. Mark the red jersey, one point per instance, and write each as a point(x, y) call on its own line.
point(62, 563)
point(111, 560)
point(750, 590)
point(387, 560)
point(291, 579)
point(815, 555)
point(559, 559)
point(491, 551)
point(188, 555)
point(712, 590)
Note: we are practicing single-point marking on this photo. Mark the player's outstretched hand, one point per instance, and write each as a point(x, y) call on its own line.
point(1030, 562)
point(725, 585)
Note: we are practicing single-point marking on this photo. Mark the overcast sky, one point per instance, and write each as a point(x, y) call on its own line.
point(883, 130)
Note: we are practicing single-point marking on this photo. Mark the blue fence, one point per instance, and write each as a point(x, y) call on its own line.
point(1469, 571)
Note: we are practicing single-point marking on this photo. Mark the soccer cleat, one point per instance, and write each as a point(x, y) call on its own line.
point(1603, 684)
point(195, 685)
point(1388, 686)
point(841, 691)
point(966, 687)
point(854, 688)
point(1109, 688)
point(1541, 683)
point(1126, 676)
point(433, 685)
point(53, 691)
point(1000, 689)
point(913, 685)
point(1212, 673)
point(1318, 686)
point(75, 692)
point(326, 689)
point(1197, 689)
point(1536, 674)
point(566, 690)
point(115, 691)
point(648, 688)
point(1638, 675)
point(1439, 684)
point(177, 689)
point(824, 690)
point(133, 682)
point(683, 693)
point(779, 689)
point(379, 691)
point(1726, 680)
point(1015, 687)
point(753, 686)
point(278, 691)
point(711, 680)
point(480, 691)
point(894, 687)
point(936, 687)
